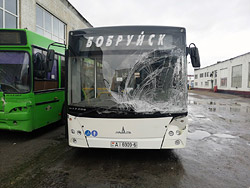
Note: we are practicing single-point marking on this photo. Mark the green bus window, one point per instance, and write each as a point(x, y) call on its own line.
point(44, 80)
point(62, 71)
point(14, 72)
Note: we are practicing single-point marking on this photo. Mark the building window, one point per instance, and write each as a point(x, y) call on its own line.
point(206, 83)
point(196, 83)
point(196, 76)
point(201, 84)
point(215, 82)
point(237, 76)
point(215, 73)
point(8, 14)
point(49, 26)
point(223, 82)
point(201, 75)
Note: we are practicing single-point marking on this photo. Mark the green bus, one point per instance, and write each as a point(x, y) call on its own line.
point(31, 81)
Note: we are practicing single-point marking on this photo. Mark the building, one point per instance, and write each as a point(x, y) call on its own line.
point(190, 81)
point(53, 19)
point(230, 76)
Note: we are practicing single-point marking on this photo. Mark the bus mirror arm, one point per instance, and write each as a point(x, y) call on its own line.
point(194, 55)
point(51, 55)
point(61, 45)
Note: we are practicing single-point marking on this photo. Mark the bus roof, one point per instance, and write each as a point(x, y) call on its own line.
point(132, 29)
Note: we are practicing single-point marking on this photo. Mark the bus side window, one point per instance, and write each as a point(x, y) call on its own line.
point(46, 80)
point(62, 71)
point(53, 75)
point(39, 62)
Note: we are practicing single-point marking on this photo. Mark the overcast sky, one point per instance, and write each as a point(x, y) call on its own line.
point(219, 28)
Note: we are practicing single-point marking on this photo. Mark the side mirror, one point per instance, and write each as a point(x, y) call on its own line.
point(194, 55)
point(50, 59)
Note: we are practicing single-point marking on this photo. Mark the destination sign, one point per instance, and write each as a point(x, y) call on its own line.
point(127, 40)
point(11, 37)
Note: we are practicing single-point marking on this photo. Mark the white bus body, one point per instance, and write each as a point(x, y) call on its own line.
point(127, 87)
point(148, 133)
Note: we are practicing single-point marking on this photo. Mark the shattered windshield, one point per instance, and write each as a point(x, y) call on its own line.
point(139, 78)
point(14, 72)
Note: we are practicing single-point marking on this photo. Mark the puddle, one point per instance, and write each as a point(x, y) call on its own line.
point(214, 106)
point(224, 136)
point(198, 135)
point(192, 94)
point(200, 116)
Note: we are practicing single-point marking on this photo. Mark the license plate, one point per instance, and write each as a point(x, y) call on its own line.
point(123, 144)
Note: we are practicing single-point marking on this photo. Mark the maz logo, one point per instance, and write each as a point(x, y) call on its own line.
point(123, 131)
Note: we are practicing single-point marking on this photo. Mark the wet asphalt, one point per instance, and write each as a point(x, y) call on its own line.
point(217, 154)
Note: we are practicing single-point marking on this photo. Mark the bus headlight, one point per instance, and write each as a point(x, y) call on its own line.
point(178, 132)
point(171, 133)
point(74, 140)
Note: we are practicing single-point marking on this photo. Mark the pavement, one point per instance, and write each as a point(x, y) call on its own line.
point(217, 154)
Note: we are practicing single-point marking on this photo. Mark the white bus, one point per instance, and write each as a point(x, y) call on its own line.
point(127, 87)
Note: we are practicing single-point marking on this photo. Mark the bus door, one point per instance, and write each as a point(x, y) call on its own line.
point(49, 98)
